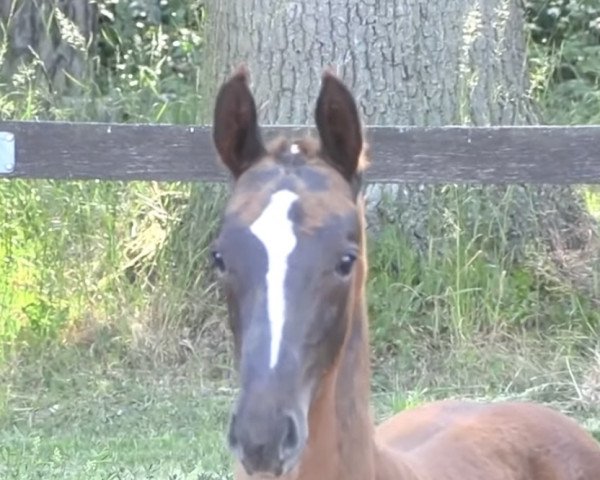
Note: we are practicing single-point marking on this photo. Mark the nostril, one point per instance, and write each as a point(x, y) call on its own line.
point(291, 438)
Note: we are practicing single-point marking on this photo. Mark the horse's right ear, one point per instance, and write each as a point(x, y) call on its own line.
point(235, 128)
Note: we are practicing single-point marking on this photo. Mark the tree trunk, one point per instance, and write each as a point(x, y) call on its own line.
point(58, 32)
point(409, 62)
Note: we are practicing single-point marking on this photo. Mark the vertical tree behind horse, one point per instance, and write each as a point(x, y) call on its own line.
point(292, 257)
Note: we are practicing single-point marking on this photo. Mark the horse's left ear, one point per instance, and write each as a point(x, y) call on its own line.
point(235, 127)
point(339, 125)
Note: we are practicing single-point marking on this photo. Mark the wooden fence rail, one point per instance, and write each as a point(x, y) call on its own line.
point(536, 154)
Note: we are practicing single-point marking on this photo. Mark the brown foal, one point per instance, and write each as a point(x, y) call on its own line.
point(291, 256)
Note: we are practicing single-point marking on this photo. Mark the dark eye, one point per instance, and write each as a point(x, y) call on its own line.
point(218, 261)
point(345, 266)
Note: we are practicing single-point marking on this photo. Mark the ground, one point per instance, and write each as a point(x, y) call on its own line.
point(73, 414)
point(100, 421)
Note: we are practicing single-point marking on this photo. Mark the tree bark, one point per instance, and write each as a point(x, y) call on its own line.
point(59, 33)
point(409, 62)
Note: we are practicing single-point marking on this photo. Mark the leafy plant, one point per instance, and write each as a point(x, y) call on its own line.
point(565, 53)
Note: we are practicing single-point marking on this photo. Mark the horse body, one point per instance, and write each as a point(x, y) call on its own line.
point(292, 255)
point(466, 441)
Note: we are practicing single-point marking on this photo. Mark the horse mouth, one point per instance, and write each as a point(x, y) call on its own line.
point(289, 470)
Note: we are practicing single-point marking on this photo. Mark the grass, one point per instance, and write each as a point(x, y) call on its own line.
point(105, 422)
point(80, 258)
point(75, 413)
point(78, 417)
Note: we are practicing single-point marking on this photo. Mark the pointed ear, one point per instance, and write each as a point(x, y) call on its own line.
point(339, 125)
point(235, 128)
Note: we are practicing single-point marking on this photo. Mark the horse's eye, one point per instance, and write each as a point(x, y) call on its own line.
point(218, 261)
point(345, 266)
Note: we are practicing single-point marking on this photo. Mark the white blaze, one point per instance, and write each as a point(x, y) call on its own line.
point(276, 232)
point(294, 148)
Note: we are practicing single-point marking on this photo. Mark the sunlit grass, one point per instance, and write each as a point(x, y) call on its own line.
point(80, 417)
point(591, 194)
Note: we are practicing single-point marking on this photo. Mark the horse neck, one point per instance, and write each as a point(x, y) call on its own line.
point(341, 442)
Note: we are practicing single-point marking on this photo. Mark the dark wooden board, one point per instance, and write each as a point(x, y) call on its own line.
point(551, 155)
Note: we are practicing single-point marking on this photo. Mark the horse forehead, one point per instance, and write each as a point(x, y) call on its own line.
point(319, 196)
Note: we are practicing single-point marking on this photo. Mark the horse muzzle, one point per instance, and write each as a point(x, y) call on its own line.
point(267, 441)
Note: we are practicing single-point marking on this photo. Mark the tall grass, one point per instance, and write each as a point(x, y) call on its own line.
point(468, 290)
point(79, 258)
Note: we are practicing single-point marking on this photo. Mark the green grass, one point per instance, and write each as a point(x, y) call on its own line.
point(74, 413)
point(469, 280)
point(78, 417)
